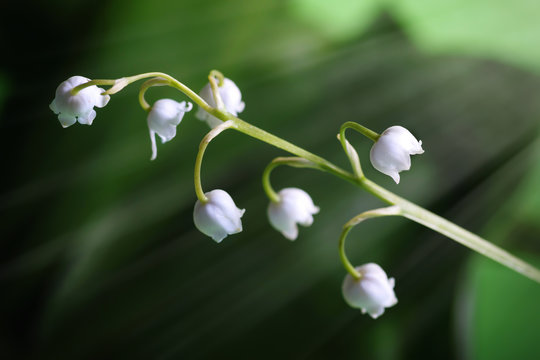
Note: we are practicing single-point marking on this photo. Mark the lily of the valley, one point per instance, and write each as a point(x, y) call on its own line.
point(218, 216)
point(293, 207)
point(163, 118)
point(392, 152)
point(232, 99)
point(372, 293)
point(79, 107)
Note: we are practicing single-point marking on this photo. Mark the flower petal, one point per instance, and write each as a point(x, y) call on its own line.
point(102, 100)
point(54, 107)
point(66, 120)
point(153, 145)
point(88, 118)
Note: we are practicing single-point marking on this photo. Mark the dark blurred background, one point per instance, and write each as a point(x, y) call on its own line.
point(99, 254)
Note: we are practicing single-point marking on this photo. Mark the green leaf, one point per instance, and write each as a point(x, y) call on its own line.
point(497, 29)
point(504, 321)
point(339, 19)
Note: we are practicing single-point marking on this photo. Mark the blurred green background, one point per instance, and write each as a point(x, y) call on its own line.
point(99, 254)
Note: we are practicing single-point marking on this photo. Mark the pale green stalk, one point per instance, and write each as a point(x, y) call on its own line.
point(219, 75)
point(370, 134)
point(388, 211)
point(296, 162)
point(215, 90)
point(78, 88)
point(198, 161)
point(349, 149)
point(119, 84)
point(145, 86)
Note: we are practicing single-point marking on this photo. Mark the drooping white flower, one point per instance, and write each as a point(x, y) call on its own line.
point(163, 118)
point(294, 207)
point(391, 152)
point(80, 107)
point(219, 216)
point(232, 99)
point(372, 293)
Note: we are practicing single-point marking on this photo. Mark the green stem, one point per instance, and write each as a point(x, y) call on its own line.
point(278, 142)
point(120, 83)
point(388, 211)
point(78, 88)
point(344, 260)
point(215, 91)
point(370, 134)
point(296, 162)
point(198, 161)
point(145, 86)
point(219, 75)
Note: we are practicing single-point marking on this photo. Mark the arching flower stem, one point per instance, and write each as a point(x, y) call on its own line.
point(349, 149)
point(388, 211)
point(145, 86)
point(198, 161)
point(296, 162)
point(370, 134)
point(218, 75)
point(119, 84)
point(344, 260)
point(78, 88)
point(215, 90)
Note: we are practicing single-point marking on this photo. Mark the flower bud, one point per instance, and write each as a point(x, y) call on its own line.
point(294, 207)
point(163, 118)
point(219, 216)
point(391, 152)
point(372, 293)
point(232, 99)
point(80, 107)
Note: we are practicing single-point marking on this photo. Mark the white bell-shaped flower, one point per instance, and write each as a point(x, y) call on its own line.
point(80, 107)
point(163, 118)
point(219, 216)
point(232, 99)
point(391, 152)
point(294, 207)
point(372, 293)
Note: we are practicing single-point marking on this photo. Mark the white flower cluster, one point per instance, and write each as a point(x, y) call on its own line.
point(218, 216)
point(163, 118)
